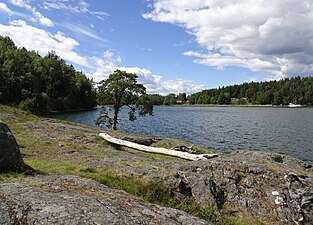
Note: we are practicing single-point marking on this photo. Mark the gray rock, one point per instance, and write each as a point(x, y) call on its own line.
point(300, 199)
point(249, 182)
point(73, 200)
point(10, 156)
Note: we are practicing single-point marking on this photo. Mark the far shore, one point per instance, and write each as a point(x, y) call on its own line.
point(234, 105)
point(217, 105)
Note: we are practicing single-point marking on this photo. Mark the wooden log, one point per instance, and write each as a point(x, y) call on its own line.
point(163, 151)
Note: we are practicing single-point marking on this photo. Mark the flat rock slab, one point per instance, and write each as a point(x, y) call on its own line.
point(60, 199)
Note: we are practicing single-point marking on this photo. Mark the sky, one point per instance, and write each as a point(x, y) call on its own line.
point(173, 46)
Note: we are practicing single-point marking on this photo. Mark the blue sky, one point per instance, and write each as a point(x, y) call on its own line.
point(173, 45)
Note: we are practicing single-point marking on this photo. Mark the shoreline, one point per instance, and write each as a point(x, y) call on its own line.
point(239, 106)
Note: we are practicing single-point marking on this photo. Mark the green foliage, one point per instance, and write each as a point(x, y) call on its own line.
point(170, 99)
point(294, 90)
point(224, 99)
point(156, 99)
point(41, 85)
point(121, 89)
point(182, 97)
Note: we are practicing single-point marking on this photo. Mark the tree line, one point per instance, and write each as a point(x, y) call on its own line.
point(290, 90)
point(41, 85)
point(295, 90)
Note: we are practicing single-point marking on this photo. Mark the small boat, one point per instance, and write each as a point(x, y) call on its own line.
point(291, 105)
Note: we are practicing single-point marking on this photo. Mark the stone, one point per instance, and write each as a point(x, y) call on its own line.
point(80, 201)
point(300, 198)
point(10, 155)
point(250, 182)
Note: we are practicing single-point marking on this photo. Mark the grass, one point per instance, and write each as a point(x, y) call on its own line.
point(244, 220)
point(10, 176)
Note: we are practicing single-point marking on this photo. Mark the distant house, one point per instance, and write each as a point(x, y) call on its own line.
point(179, 102)
point(235, 99)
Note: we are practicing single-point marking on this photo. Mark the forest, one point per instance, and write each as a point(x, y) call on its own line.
point(41, 85)
point(295, 90)
point(290, 90)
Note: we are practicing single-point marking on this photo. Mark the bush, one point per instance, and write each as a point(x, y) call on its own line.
point(27, 104)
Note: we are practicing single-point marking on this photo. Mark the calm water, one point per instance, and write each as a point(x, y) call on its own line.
point(225, 129)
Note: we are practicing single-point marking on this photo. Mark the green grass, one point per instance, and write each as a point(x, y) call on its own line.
point(53, 166)
point(10, 176)
point(232, 220)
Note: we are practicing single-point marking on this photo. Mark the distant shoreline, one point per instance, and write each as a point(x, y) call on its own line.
point(243, 106)
point(217, 105)
point(72, 111)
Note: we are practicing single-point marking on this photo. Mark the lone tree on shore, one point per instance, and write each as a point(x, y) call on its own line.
point(121, 89)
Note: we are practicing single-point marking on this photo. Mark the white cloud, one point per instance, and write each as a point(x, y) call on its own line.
point(81, 29)
point(153, 83)
point(4, 8)
point(112, 56)
point(80, 7)
point(42, 41)
point(21, 3)
point(37, 16)
point(41, 19)
point(275, 37)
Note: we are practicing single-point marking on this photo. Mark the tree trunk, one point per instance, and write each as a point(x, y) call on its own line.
point(164, 151)
point(115, 118)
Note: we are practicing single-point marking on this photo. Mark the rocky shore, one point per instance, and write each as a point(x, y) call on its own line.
point(71, 185)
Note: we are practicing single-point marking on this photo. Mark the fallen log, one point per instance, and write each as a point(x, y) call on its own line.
point(163, 151)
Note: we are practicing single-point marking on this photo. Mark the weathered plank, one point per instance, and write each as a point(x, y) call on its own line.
point(163, 151)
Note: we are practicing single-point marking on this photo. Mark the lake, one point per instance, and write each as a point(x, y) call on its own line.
point(224, 129)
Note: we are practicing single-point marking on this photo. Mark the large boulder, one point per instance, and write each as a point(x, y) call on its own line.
point(10, 155)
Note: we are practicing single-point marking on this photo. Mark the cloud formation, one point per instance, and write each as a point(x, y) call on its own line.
point(74, 7)
point(33, 38)
point(155, 84)
point(5, 9)
point(37, 16)
point(112, 56)
point(83, 30)
point(275, 37)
